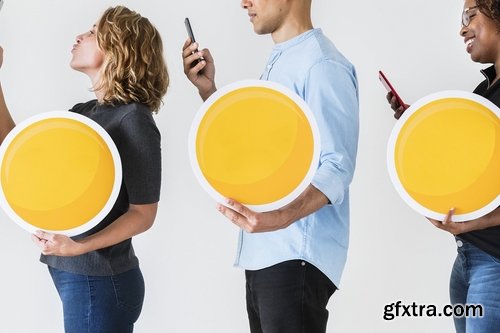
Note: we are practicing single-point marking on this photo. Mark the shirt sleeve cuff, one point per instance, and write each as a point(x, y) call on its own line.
point(329, 184)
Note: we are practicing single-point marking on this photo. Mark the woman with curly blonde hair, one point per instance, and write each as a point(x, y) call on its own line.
point(97, 274)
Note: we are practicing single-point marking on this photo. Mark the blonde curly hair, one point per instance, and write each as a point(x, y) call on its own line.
point(134, 69)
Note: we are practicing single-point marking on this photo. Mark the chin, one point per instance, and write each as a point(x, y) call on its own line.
point(260, 30)
point(76, 67)
point(479, 60)
point(73, 64)
point(475, 58)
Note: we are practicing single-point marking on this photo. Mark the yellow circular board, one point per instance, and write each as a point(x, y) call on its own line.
point(60, 172)
point(444, 153)
point(255, 142)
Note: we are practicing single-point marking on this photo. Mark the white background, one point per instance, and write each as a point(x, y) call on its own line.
point(187, 256)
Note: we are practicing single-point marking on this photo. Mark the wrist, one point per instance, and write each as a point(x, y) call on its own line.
point(205, 94)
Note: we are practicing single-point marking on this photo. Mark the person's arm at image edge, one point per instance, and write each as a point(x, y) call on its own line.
point(6, 122)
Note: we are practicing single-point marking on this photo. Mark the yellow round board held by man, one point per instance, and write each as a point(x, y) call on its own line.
point(60, 172)
point(444, 152)
point(256, 142)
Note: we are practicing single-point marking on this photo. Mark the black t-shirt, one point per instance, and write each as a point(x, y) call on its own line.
point(488, 239)
point(134, 132)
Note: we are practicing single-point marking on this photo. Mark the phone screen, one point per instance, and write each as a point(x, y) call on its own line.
point(388, 86)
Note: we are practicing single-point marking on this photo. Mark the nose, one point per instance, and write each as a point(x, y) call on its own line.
point(245, 4)
point(463, 31)
point(79, 38)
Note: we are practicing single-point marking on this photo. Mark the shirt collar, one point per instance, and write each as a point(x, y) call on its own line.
point(296, 40)
point(490, 74)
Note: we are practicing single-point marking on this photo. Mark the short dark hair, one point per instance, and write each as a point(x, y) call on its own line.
point(490, 8)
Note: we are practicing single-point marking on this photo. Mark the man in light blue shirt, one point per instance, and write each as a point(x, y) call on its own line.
point(294, 256)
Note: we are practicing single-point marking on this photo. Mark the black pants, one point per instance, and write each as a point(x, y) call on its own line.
point(289, 297)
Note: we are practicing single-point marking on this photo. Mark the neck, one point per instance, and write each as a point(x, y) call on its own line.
point(99, 93)
point(297, 22)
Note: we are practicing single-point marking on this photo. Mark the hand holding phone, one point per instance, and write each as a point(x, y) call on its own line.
point(388, 86)
point(191, 36)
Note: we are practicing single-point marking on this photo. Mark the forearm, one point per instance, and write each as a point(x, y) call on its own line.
point(126, 226)
point(6, 122)
point(305, 204)
point(489, 220)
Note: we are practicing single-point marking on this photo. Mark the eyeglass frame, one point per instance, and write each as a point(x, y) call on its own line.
point(465, 17)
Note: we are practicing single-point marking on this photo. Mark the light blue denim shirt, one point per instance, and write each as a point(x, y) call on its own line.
point(311, 66)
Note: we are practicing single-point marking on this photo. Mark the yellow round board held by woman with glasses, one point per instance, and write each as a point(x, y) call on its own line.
point(444, 153)
point(59, 172)
point(256, 142)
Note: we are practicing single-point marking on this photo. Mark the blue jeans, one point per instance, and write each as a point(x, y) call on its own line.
point(289, 297)
point(100, 304)
point(475, 279)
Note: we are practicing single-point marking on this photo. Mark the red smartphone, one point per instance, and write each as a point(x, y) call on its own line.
point(388, 86)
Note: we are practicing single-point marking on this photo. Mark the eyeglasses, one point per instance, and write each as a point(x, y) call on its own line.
point(466, 17)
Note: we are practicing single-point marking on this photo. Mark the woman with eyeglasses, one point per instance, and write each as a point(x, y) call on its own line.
point(475, 278)
point(97, 273)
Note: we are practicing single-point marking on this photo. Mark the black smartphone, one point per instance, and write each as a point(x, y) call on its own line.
point(189, 30)
point(191, 35)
